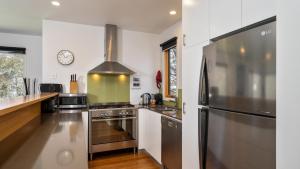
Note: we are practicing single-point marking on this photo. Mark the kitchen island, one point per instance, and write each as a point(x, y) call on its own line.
point(18, 112)
point(32, 139)
point(14, 104)
point(59, 142)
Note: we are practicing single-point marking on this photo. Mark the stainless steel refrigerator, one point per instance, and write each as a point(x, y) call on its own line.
point(237, 98)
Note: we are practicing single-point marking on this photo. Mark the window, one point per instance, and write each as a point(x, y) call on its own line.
point(170, 72)
point(170, 60)
point(11, 75)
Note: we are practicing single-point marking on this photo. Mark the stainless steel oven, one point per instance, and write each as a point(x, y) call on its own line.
point(112, 129)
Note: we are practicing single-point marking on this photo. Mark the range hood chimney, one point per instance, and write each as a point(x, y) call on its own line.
point(111, 64)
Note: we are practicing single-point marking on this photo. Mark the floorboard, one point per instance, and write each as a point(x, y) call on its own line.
point(123, 160)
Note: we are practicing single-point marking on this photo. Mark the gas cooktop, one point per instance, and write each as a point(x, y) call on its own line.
point(110, 105)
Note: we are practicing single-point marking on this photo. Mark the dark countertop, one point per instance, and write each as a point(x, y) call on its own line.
point(59, 142)
point(164, 110)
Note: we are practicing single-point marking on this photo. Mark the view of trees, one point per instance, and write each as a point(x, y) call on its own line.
point(172, 71)
point(11, 75)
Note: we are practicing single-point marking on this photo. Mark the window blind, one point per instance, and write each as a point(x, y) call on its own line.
point(5, 49)
point(170, 43)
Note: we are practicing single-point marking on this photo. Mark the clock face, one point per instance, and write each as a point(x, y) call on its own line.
point(65, 57)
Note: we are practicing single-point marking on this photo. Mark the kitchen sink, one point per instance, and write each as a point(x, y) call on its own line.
point(170, 113)
point(164, 109)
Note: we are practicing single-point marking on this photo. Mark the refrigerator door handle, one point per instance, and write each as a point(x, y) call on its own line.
point(204, 108)
point(203, 135)
point(203, 83)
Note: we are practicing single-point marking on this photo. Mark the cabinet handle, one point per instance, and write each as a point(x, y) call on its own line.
point(183, 107)
point(183, 39)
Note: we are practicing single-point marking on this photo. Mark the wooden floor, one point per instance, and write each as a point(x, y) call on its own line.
point(123, 160)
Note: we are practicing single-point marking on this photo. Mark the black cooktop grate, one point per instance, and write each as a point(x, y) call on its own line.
point(110, 105)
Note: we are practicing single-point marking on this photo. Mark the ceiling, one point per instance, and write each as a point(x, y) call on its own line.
point(25, 16)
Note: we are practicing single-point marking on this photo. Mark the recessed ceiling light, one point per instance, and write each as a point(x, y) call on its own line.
point(55, 3)
point(188, 2)
point(173, 12)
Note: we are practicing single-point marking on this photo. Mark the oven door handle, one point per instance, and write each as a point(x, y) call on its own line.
point(113, 119)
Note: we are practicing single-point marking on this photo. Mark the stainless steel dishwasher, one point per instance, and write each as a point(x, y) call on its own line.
point(171, 143)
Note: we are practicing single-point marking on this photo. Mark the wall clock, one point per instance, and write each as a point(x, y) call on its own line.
point(65, 57)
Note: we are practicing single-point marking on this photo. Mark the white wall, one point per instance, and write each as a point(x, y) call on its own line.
point(171, 32)
point(138, 51)
point(86, 43)
point(288, 82)
point(33, 57)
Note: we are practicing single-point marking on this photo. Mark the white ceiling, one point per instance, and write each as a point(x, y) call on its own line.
point(25, 16)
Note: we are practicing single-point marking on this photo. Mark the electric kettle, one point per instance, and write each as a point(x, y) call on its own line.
point(145, 98)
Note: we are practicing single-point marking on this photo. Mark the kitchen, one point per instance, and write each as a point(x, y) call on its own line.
point(113, 122)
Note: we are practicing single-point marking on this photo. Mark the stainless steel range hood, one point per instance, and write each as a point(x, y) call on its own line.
point(111, 64)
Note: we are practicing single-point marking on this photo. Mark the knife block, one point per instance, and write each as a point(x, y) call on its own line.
point(73, 87)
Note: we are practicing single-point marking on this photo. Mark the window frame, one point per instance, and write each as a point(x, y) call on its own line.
point(167, 72)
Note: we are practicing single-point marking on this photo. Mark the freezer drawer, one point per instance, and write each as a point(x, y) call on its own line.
point(240, 141)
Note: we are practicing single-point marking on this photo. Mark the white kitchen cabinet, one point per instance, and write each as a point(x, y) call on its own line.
point(141, 128)
point(154, 135)
point(195, 23)
point(150, 133)
point(257, 10)
point(191, 63)
point(224, 16)
point(287, 90)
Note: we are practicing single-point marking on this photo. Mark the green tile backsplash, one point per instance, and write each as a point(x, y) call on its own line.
point(103, 88)
point(179, 99)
